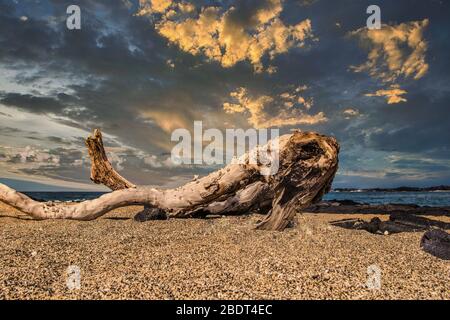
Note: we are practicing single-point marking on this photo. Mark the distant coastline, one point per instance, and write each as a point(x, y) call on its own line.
point(399, 189)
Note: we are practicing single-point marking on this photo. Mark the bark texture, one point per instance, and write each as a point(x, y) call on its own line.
point(102, 172)
point(307, 165)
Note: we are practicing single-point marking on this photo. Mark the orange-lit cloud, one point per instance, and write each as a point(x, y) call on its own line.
point(286, 114)
point(395, 51)
point(167, 121)
point(393, 95)
point(222, 37)
point(147, 7)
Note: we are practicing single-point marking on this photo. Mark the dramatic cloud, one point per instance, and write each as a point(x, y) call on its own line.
point(45, 163)
point(153, 6)
point(395, 51)
point(27, 101)
point(248, 31)
point(30, 154)
point(286, 109)
point(393, 95)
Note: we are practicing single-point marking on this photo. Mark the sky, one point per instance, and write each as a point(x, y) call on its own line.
point(138, 70)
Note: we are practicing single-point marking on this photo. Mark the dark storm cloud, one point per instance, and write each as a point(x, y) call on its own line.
point(127, 74)
point(9, 130)
point(32, 103)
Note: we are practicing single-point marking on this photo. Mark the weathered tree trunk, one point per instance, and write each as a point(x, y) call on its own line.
point(102, 172)
point(307, 165)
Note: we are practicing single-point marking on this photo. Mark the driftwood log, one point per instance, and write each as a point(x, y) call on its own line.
point(397, 223)
point(352, 207)
point(307, 165)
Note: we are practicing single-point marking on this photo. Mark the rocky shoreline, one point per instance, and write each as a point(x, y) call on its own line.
point(349, 206)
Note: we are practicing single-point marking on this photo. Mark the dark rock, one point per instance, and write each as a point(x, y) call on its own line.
point(291, 224)
point(374, 225)
point(396, 227)
point(397, 223)
point(346, 207)
point(347, 202)
point(150, 214)
point(437, 243)
point(413, 220)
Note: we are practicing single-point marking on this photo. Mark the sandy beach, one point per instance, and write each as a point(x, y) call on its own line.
point(215, 258)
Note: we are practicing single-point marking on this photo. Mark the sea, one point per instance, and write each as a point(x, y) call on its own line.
point(423, 199)
point(431, 199)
